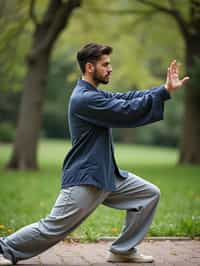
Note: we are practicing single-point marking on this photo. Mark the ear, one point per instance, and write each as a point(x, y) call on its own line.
point(89, 67)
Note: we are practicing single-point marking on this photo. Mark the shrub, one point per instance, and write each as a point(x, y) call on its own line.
point(7, 132)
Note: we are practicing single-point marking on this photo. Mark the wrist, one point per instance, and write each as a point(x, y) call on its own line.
point(164, 93)
point(167, 90)
point(166, 87)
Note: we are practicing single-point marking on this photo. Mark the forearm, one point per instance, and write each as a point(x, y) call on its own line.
point(106, 112)
point(161, 90)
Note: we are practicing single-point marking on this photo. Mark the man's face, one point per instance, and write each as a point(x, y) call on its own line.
point(102, 70)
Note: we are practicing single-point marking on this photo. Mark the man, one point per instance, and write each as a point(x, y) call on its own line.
point(90, 173)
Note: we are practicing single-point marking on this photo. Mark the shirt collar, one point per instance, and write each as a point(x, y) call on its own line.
point(84, 83)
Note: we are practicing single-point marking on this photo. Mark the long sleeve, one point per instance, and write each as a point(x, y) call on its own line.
point(96, 108)
point(138, 93)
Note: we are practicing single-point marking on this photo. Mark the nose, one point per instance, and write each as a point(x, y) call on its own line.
point(110, 69)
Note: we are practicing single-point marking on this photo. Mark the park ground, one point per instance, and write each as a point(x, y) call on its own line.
point(27, 196)
point(165, 253)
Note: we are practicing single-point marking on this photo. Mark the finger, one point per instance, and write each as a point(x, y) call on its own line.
point(171, 67)
point(174, 66)
point(184, 80)
point(168, 76)
point(168, 72)
point(176, 69)
point(171, 70)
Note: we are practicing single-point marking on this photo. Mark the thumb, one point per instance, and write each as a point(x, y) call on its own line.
point(185, 79)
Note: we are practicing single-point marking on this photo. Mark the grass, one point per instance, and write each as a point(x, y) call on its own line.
point(28, 196)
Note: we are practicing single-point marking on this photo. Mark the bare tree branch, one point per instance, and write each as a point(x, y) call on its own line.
point(195, 15)
point(172, 3)
point(141, 19)
point(183, 25)
point(156, 6)
point(60, 19)
point(54, 21)
point(118, 11)
point(32, 12)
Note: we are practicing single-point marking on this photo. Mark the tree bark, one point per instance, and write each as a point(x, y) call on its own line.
point(24, 155)
point(25, 147)
point(190, 139)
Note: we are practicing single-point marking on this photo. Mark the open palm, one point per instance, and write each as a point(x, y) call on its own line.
point(173, 82)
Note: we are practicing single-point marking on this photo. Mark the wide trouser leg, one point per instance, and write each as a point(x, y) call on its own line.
point(139, 198)
point(72, 206)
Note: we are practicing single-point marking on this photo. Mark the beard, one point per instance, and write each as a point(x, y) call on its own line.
point(100, 79)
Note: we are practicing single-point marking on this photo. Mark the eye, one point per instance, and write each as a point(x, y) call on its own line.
point(106, 64)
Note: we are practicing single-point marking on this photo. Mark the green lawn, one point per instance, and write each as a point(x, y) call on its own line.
point(27, 196)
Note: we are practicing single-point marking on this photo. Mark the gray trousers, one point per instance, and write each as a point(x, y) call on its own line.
point(75, 204)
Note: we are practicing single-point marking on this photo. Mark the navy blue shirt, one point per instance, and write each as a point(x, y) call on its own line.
point(92, 114)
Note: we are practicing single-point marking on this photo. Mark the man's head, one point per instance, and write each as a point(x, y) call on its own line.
point(94, 62)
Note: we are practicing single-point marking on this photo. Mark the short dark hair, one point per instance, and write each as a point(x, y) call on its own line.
point(91, 52)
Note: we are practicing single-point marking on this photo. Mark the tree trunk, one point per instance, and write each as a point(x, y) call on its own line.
point(24, 154)
point(25, 147)
point(190, 140)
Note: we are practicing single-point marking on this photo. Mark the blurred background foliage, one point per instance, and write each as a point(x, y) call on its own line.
point(143, 48)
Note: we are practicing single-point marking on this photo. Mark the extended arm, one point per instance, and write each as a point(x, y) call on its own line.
point(130, 109)
point(95, 108)
point(136, 93)
point(172, 83)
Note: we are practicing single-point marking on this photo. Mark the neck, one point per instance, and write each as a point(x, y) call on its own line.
point(90, 80)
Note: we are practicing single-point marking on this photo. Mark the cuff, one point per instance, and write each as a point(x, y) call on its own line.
point(162, 92)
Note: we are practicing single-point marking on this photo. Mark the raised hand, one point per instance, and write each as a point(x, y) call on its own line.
point(173, 82)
